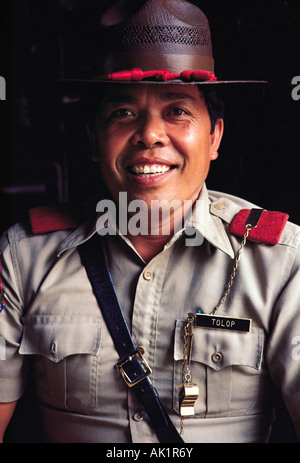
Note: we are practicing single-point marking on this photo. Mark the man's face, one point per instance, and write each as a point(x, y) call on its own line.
point(154, 141)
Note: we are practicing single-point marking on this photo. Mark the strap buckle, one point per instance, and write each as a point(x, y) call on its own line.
point(134, 368)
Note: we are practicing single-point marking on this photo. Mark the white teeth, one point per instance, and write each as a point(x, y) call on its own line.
point(152, 169)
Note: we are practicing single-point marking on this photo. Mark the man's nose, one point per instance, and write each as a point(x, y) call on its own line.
point(150, 132)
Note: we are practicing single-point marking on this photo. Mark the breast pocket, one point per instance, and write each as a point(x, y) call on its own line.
point(64, 350)
point(227, 367)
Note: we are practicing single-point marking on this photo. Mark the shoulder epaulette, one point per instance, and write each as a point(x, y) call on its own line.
point(53, 218)
point(268, 228)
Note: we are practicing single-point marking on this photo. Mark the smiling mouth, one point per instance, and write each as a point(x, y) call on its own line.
point(148, 171)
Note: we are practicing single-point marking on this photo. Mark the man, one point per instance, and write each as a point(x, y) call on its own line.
point(207, 283)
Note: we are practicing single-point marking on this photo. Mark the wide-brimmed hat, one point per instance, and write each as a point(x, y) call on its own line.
point(154, 41)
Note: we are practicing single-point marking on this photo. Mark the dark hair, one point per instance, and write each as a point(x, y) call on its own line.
point(214, 104)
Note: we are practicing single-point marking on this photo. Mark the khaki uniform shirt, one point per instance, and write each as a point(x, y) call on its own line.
point(52, 318)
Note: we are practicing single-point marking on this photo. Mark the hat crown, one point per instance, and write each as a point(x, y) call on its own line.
point(167, 33)
point(151, 12)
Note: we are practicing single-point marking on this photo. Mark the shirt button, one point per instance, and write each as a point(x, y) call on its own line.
point(138, 416)
point(219, 206)
point(147, 275)
point(53, 347)
point(217, 357)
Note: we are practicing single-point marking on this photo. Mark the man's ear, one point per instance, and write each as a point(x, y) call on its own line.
point(216, 138)
point(93, 142)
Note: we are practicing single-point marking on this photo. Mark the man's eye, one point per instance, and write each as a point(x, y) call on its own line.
point(122, 113)
point(178, 112)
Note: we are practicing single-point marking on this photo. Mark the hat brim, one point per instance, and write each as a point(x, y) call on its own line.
point(158, 77)
point(86, 82)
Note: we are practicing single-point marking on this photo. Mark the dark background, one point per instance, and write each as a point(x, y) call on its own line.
point(45, 155)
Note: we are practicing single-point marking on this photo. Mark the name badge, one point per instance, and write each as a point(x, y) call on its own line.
point(223, 323)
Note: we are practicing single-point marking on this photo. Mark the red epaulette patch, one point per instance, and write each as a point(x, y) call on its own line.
point(268, 230)
point(53, 218)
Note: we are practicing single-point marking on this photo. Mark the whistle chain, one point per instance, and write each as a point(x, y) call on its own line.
point(187, 353)
point(235, 267)
point(187, 349)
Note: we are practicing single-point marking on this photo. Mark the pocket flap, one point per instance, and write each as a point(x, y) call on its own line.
point(219, 348)
point(57, 337)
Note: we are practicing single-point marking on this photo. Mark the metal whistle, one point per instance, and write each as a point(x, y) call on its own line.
point(188, 394)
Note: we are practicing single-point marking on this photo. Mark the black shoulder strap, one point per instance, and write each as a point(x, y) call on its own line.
point(134, 369)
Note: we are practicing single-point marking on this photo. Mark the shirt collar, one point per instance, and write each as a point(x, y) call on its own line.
point(207, 224)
